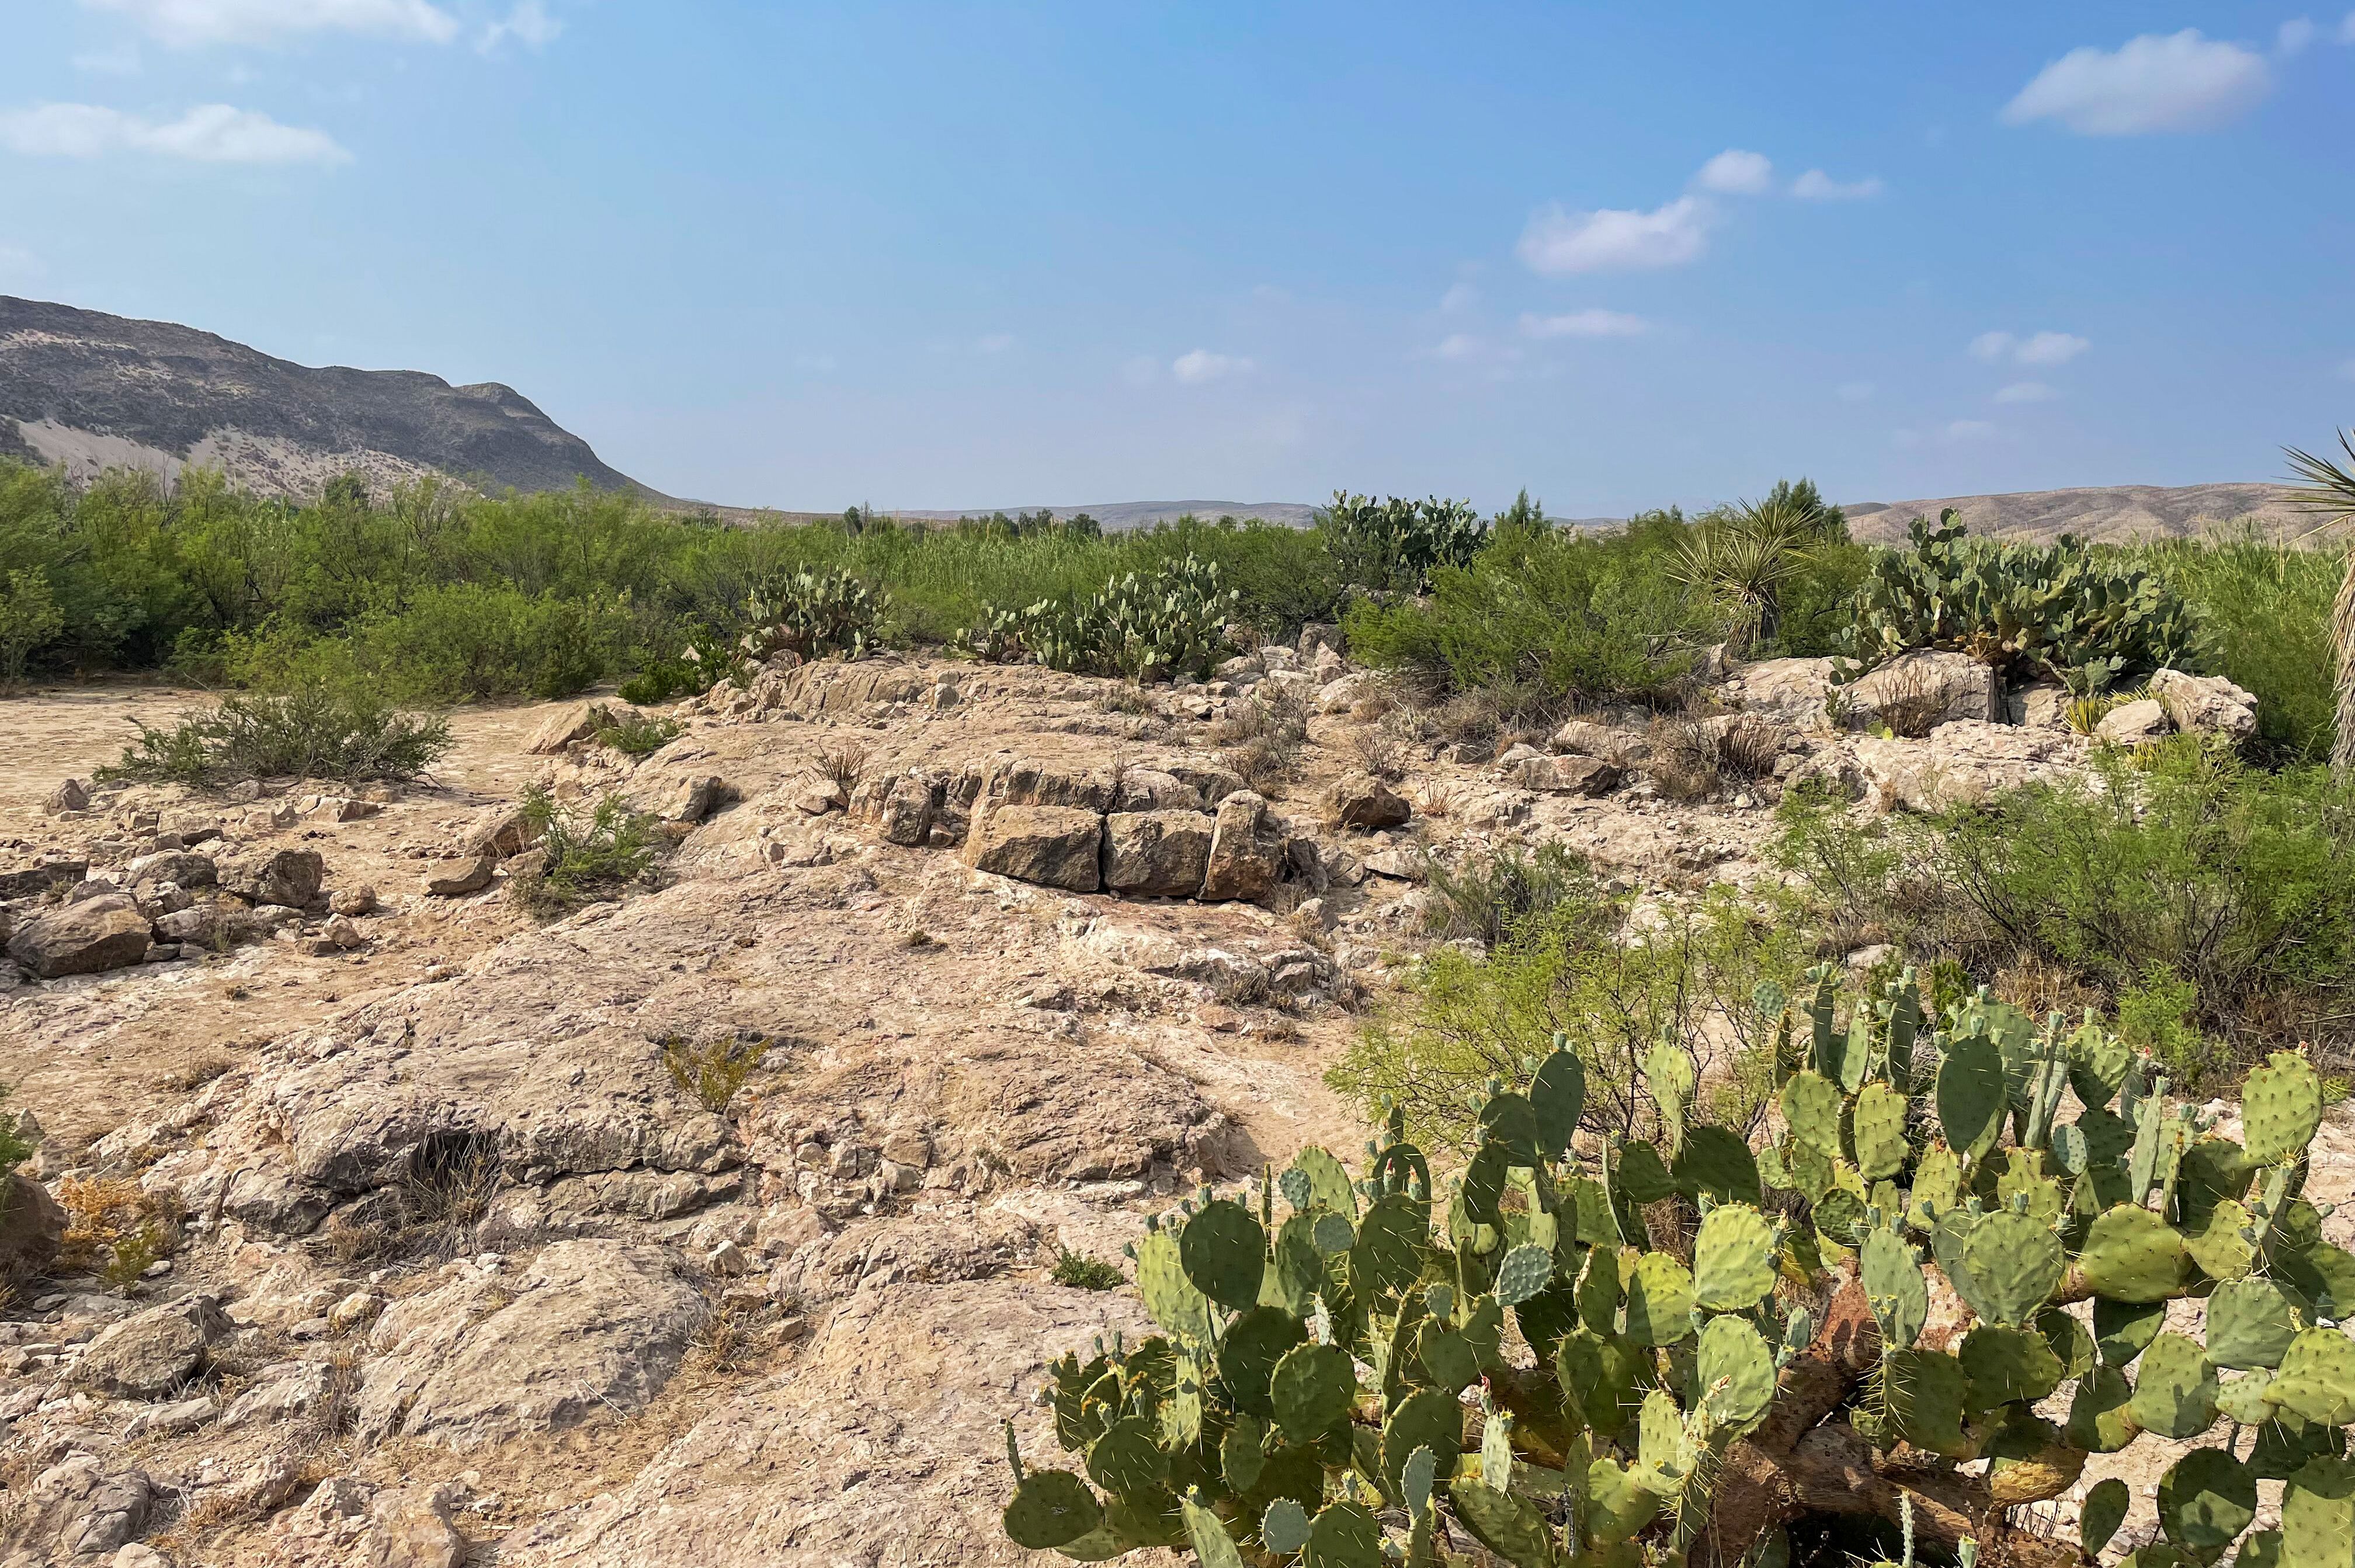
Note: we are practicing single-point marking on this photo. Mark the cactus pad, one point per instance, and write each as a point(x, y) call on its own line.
point(2206, 1501)
point(2219, 1245)
point(1660, 1300)
point(1327, 1178)
point(1526, 1270)
point(1733, 1259)
point(2175, 1388)
point(2132, 1254)
point(1427, 1418)
point(1669, 1074)
point(1640, 1175)
point(2317, 1377)
point(2249, 1324)
point(2317, 1514)
point(1971, 1094)
point(1926, 1392)
point(1895, 1287)
point(1734, 1372)
point(1283, 1529)
point(2006, 1364)
point(1878, 1123)
point(2281, 1107)
point(1937, 1187)
point(1512, 1121)
point(1052, 1509)
point(2070, 1343)
point(1617, 1505)
point(1387, 1256)
point(2098, 1064)
point(2243, 1398)
point(1716, 1163)
point(1811, 1105)
point(1343, 1535)
point(2099, 1419)
point(1169, 1297)
point(1311, 1391)
point(1225, 1254)
point(2124, 1329)
point(1248, 1354)
point(2015, 1263)
point(1506, 1525)
point(2104, 1510)
point(1558, 1096)
point(1599, 1290)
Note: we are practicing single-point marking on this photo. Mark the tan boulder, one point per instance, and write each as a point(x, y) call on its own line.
point(85, 938)
point(2205, 705)
point(2136, 723)
point(462, 877)
point(1157, 854)
point(1052, 846)
point(1364, 802)
point(573, 721)
point(1247, 856)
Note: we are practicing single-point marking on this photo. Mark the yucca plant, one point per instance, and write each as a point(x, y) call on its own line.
point(2328, 488)
point(1748, 555)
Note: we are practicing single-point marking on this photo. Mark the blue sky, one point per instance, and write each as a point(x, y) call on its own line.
point(942, 256)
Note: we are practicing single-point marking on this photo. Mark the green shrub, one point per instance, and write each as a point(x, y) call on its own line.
point(1081, 1272)
point(1169, 622)
point(637, 734)
point(1550, 616)
point(1614, 985)
point(2178, 864)
point(29, 618)
point(316, 732)
point(713, 1070)
point(2265, 609)
point(1488, 897)
point(2059, 612)
point(1395, 544)
point(584, 857)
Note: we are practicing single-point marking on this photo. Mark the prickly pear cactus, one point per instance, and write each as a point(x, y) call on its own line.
point(1577, 1352)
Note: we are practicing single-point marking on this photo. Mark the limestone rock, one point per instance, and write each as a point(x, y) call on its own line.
point(289, 877)
point(499, 831)
point(906, 813)
point(697, 798)
point(590, 1326)
point(1965, 761)
point(1791, 690)
point(2039, 705)
point(181, 866)
point(349, 1523)
point(1157, 854)
point(2136, 723)
point(1568, 775)
point(1151, 789)
point(32, 1226)
point(573, 721)
point(153, 1353)
point(2205, 705)
point(78, 1515)
point(1398, 865)
point(354, 901)
point(1345, 692)
point(69, 796)
point(1915, 692)
point(1246, 858)
point(86, 938)
point(31, 882)
point(1364, 802)
point(1052, 846)
point(462, 877)
point(1584, 738)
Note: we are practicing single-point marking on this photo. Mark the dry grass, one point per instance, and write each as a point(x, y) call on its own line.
point(1435, 796)
point(1912, 704)
point(114, 1229)
point(194, 1075)
point(843, 761)
point(1377, 751)
point(1750, 748)
point(1262, 736)
point(429, 1214)
point(1682, 758)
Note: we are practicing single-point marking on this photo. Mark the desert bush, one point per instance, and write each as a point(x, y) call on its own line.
point(713, 1070)
point(29, 618)
point(2178, 864)
point(1488, 897)
point(1750, 556)
point(114, 1229)
point(1552, 618)
point(1150, 626)
point(637, 734)
point(582, 856)
point(843, 763)
point(1750, 746)
point(1584, 966)
point(1396, 544)
point(1376, 748)
point(1081, 1272)
point(2265, 609)
point(2059, 612)
point(1262, 735)
point(1683, 758)
point(315, 733)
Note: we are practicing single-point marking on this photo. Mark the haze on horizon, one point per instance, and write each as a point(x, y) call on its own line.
point(928, 257)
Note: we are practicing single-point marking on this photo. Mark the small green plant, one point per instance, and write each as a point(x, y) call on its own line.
point(714, 1070)
point(316, 732)
point(130, 1256)
point(1489, 896)
point(29, 618)
point(582, 856)
point(705, 660)
point(815, 614)
point(638, 734)
point(2085, 714)
point(1081, 1272)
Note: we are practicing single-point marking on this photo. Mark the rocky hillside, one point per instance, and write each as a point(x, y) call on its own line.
point(94, 391)
point(2112, 512)
point(375, 1221)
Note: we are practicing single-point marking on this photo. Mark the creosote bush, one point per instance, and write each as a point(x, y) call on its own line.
point(638, 734)
point(713, 1070)
point(315, 732)
point(582, 856)
point(1847, 1341)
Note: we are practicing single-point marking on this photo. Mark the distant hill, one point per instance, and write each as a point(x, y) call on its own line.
point(1118, 517)
point(96, 392)
point(2114, 512)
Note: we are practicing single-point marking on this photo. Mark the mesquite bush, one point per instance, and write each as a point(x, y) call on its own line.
point(1715, 1343)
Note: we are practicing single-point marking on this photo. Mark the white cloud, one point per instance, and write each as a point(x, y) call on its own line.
point(1856, 391)
point(2025, 392)
point(993, 343)
point(1818, 185)
point(182, 22)
point(208, 133)
point(1563, 244)
point(1201, 366)
point(2038, 348)
point(2179, 81)
point(1736, 173)
point(1459, 299)
point(1967, 430)
point(2294, 35)
point(529, 24)
point(1459, 346)
point(1585, 324)
point(2347, 30)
